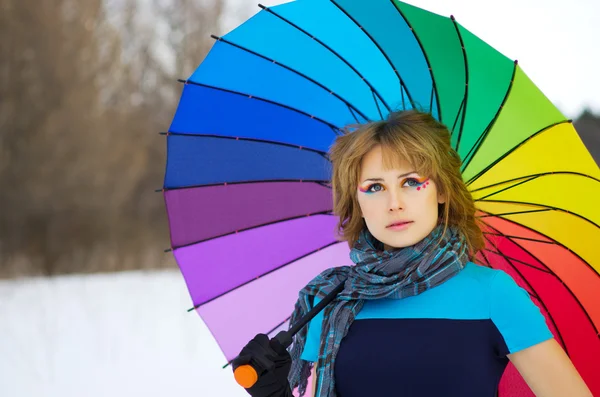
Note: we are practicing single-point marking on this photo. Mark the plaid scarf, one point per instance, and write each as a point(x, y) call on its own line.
point(377, 274)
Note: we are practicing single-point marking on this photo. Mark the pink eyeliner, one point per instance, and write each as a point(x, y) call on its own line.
point(424, 182)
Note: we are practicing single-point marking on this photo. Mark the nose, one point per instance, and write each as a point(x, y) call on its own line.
point(395, 201)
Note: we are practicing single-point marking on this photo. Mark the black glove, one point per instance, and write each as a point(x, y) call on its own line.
point(272, 363)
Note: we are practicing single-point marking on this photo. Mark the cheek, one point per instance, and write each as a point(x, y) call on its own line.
point(425, 199)
point(432, 203)
point(370, 206)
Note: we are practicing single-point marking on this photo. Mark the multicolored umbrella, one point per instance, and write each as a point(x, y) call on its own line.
point(246, 185)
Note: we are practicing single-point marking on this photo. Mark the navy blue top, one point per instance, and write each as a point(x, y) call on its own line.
point(451, 340)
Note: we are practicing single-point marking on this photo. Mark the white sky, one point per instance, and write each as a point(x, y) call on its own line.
point(556, 42)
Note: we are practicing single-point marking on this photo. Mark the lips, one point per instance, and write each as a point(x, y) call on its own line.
point(398, 223)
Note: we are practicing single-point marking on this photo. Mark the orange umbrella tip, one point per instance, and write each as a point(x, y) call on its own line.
point(245, 376)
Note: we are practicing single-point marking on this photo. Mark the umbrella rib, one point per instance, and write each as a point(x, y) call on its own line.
point(538, 232)
point(490, 166)
point(533, 289)
point(515, 259)
point(241, 138)
point(431, 99)
point(528, 178)
point(500, 214)
point(264, 274)
point(377, 105)
point(318, 181)
point(325, 212)
point(433, 84)
point(403, 87)
point(531, 177)
point(486, 131)
point(278, 325)
point(462, 110)
point(293, 71)
point(543, 206)
point(335, 130)
point(373, 89)
point(550, 270)
point(273, 329)
point(330, 125)
point(352, 113)
point(488, 263)
point(520, 238)
point(480, 139)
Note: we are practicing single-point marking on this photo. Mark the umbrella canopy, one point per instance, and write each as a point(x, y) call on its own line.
point(246, 184)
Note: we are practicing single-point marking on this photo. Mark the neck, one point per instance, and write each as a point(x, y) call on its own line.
point(389, 248)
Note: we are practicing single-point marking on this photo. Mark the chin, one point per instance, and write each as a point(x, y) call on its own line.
point(402, 241)
point(401, 244)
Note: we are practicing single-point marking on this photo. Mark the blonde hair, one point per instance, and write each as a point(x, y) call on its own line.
point(421, 140)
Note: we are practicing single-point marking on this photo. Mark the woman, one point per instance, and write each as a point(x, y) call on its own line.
point(416, 316)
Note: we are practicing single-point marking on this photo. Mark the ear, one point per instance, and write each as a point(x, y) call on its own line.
point(441, 198)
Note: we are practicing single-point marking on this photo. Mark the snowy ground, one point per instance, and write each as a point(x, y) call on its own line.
point(125, 334)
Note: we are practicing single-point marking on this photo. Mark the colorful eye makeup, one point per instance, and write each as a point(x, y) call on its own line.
point(422, 183)
point(367, 189)
point(419, 184)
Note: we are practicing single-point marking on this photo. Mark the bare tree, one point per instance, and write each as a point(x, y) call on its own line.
point(49, 59)
point(83, 93)
point(190, 24)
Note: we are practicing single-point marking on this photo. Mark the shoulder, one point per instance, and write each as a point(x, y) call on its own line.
point(513, 310)
point(481, 274)
point(474, 282)
point(497, 283)
point(491, 281)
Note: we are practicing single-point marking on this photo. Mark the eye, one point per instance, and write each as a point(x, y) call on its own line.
point(412, 182)
point(372, 188)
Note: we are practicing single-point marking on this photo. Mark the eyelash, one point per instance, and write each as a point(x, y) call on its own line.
point(368, 189)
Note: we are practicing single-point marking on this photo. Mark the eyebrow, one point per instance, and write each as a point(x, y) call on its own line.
point(381, 180)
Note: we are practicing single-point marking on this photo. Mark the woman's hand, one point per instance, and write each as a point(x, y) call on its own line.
point(272, 363)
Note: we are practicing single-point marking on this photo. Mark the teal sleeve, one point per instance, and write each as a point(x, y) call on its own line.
point(311, 348)
point(515, 315)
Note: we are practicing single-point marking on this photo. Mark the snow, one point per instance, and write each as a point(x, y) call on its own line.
point(122, 334)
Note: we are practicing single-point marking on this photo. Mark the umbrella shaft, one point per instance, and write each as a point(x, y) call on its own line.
point(285, 337)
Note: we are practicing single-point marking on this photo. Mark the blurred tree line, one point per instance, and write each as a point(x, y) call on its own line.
point(85, 87)
point(588, 127)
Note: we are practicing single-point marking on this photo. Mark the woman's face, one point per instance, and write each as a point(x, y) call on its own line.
point(397, 195)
